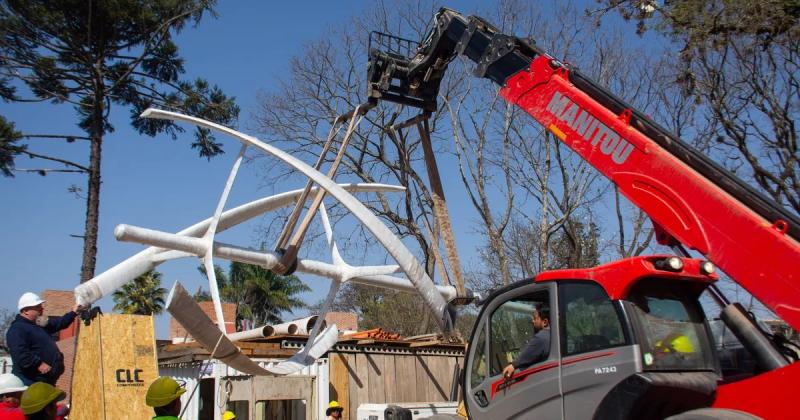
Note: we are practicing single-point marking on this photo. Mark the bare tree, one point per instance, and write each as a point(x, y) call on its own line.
point(738, 60)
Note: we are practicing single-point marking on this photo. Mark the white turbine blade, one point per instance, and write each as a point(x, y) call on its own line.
point(208, 264)
point(373, 270)
point(321, 345)
point(326, 224)
point(112, 279)
point(394, 246)
point(266, 259)
point(325, 307)
point(188, 313)
point(171, 254)
point(208, 258)
point(315, 346)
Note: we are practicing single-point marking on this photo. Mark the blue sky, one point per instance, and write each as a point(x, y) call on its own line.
point(160, 183)
point(154, 182)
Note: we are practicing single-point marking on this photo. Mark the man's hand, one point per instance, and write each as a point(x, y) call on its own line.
point(508, 371)
point(44, 368)
point(77, 308)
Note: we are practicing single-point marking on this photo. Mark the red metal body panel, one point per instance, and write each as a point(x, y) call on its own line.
point(750, 249)
point(618, 277)
point(769, 395)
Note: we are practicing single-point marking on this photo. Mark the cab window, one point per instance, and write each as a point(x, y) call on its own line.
point(478, 370)
point(589, 319)
point(671, 327)
point(512, 328)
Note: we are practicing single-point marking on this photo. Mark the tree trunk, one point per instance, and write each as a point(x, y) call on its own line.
point(93, 197)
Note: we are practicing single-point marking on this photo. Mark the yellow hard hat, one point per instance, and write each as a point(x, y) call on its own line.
point(333, 406)
point(38, 396)
point(228, 415)
point(682, 344)
point(163, 391)
point(676, 342)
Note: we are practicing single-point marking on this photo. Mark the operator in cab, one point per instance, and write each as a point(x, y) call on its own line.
point(538, 347)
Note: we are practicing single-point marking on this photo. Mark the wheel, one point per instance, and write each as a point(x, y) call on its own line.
point(713, 414)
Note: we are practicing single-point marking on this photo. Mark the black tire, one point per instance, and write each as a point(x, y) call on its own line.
point(713, 414)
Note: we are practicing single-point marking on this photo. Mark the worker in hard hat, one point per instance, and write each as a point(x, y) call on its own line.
point(34, 353)
point(11, 389)
point(334, 411)
point(39, 401)
point(228, 415)
point(164, 396)
point(675, 343)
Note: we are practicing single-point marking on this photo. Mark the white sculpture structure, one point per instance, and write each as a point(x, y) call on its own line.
point(198, 241)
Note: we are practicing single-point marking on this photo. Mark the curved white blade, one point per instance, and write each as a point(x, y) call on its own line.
point(416, 274)
point(112, 279)
point(186, 311)
point(309, 354)
point(208, 238)
point(326, 225)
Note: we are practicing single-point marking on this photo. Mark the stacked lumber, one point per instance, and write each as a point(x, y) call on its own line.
point(373, 334)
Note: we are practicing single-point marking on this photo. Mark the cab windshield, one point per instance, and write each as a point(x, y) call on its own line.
point(670, 326)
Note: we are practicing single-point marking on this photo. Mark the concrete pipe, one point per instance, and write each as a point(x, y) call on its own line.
point(285, 328)
point(259, 332)
point(305, 325)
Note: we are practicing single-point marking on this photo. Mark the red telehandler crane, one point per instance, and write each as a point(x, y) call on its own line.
point(629, 339)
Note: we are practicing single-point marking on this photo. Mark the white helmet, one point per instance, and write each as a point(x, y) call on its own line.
point(10, 383)
point(29, 299)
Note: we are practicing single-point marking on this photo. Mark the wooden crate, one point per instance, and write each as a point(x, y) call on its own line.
point(115, 362)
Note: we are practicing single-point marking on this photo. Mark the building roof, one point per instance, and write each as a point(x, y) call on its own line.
point(58, 302)
point(178, 334)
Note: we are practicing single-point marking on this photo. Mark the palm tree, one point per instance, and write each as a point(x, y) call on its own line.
point(143, 296)
point(261, 294)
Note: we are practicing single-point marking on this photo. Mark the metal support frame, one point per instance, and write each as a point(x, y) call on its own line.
point(289, 248)
point(440, 210)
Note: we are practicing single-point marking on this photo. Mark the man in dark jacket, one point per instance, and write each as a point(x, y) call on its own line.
point(538, 348)
point(34, 353)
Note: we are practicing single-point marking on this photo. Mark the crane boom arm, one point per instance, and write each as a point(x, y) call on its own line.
point(693, 200)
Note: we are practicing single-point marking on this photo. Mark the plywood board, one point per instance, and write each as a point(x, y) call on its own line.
point(87, 374)
point(129, 365)
point(355, 383)
point(340, 381)
point(362, 368)
point(406, 378)
point(115, 363)
point(441, 377)
point(390, 378)
point(376, 382)
point(424, 378)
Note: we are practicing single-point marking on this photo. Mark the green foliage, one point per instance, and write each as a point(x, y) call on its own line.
point(398, 312)
point(701, 20)
point(94, 55)
point(261, 295)
point(8, 136)
point(143, 296)
point(121, 51)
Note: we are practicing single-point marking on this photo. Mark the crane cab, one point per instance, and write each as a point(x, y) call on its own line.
point(617, 335)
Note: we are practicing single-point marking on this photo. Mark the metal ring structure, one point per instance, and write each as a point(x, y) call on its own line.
point(198, 240)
